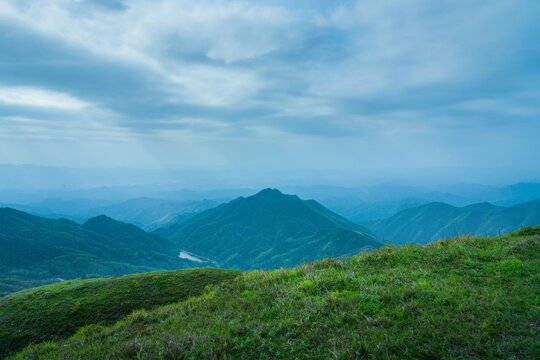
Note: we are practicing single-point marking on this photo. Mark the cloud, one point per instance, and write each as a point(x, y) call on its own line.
point(29, 96)
point(145, 33)
point(385, 75)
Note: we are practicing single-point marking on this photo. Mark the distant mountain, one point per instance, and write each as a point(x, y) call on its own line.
point(370, 203)
point(271, 230)
point(433, 221)
point(360, 211)
point(503, 195)
point(127, 235)
point(146, 213)
point(157, 206)
point(150, 214)
point(172, 224)
point(36, 250)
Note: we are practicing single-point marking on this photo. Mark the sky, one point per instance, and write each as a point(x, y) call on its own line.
point(266, 86)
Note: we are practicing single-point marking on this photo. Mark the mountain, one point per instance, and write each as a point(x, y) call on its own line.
point(271, 230)
point(370, 203)
point(464, 298)
point(151, 214)
point(126, 234)
point(173, 224)
point(146, 213)
point(361, 211)
point(54, 312)
point(434, 221)
point(156, 206)
point(36, 250)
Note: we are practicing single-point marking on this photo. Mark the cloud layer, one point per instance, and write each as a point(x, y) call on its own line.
point(281, 84)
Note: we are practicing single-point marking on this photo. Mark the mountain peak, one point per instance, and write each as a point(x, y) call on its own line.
point(269, 192)
point(483, 206)
point(100, 219)
point(270, 230)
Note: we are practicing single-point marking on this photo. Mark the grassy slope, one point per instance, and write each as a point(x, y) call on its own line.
point(463, 298)
point(9, 285)
point(56, 311)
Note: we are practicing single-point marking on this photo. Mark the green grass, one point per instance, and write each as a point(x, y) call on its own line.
point(527, 231)
point(56, 311)
point(461, 298)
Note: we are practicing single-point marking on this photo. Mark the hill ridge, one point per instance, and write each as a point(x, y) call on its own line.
point(269, 230)
point(36, 250)
point(54, 312)
point(411, 302)
point(432, 221)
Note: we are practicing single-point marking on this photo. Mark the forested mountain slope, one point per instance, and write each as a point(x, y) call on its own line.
point(434, 221)
point(271, 230)
point(36, 250)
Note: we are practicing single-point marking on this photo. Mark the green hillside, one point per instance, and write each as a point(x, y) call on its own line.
point(434, 221)
point(127, 234)
point(56, 311)
point(462, 298)
point(36, 250)
point(271, 230)
point(171, 225)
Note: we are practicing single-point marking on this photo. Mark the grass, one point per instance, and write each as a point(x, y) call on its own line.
point(56, 311)
point(460, 298)
point(527, 231)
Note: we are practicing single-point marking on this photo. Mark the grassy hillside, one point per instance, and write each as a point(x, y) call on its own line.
point(56, 311)
point(463, 298)
point(434, 221)
point(270, 230)
point(36, 250)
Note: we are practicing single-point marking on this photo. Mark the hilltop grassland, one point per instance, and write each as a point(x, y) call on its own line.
point(56, 311)
point(461, 298)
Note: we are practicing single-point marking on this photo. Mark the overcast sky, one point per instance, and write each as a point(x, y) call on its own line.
point(270, 85)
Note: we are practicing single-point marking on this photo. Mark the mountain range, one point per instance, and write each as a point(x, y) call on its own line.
point(151, 214)
point(154, 206)
point(437, 220)
point(146, 213)
point(36, 250)
point(270, 230)
point(264, 231)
